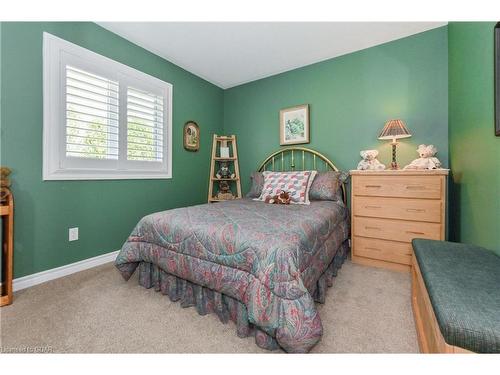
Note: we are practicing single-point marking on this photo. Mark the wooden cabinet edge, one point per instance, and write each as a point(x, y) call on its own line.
point(419, 293)
point(401, 172)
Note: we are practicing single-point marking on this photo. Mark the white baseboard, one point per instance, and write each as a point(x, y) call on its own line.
point(55, 273)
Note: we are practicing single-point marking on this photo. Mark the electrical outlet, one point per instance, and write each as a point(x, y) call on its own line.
point(73, 234)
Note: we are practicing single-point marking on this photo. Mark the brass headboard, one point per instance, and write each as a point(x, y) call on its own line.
point(287, 159)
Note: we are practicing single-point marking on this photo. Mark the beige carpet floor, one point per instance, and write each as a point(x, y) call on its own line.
point(95, 311)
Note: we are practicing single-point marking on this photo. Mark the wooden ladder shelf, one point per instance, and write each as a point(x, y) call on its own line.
point(231, 160)
point(7, 218)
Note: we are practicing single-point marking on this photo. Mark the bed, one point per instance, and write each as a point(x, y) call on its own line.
point(262, 266)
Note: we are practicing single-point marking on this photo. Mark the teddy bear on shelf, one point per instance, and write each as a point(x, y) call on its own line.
point(282, 198)
point(427, 160)
point(370, 161)
point(224, 192)
point(4, 183)
point(224, 171)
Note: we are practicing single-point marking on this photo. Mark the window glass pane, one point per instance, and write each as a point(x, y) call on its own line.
point(144, 126)
point(91, 115)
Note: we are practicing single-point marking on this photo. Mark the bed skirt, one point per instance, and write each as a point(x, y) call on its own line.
point(206, 300)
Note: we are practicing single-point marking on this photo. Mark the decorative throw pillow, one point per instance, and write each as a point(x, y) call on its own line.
point(326, 186)
point(297, 184)
point(257, 184)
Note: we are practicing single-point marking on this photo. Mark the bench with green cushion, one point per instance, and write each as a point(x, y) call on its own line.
point(463, 283)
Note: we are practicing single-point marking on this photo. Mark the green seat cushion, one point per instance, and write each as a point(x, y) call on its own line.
point(463, 282)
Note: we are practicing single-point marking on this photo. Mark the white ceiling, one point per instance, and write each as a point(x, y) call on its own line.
point(231, 53)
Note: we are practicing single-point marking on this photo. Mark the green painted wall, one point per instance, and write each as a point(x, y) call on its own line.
point(105, 211)
point(350, 97)
point(474, 149)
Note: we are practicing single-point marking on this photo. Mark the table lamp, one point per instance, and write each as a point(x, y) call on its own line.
point(394, 129)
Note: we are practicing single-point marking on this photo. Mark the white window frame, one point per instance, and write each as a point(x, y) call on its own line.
point(57, 53)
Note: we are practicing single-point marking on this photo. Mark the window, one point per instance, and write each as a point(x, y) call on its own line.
point(92, 115)
point(144, 126)
point(102, 119)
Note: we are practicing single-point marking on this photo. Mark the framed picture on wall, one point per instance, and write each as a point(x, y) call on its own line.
point(294, 125)
point(497, 79)
point(191, 136)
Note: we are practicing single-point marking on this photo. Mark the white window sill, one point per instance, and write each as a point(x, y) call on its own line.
point(104, 175)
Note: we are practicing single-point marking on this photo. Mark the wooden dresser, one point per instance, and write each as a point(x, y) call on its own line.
point(390, 208)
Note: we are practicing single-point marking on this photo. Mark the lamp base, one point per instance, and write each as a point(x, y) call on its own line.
point(394, 164)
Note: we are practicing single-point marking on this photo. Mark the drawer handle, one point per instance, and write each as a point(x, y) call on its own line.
point(415, 210)
point(374, 228)
point(373, 186)
point(412, 232)
point(374, 207)
point(372, 248)
point(415, 187)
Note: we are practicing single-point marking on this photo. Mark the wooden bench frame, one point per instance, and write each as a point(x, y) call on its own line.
point(430, 339)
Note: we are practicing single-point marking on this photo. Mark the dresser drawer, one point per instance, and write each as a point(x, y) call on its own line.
point(391, 251)
point(398, 208)
point(395, 230)
point(398, 186)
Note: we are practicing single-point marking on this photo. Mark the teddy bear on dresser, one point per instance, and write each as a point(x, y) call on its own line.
point(370, 161)
point(426, 160)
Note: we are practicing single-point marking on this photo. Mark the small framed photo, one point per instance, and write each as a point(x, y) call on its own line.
point(191, 136)
point(294, 125)
point(224, 151)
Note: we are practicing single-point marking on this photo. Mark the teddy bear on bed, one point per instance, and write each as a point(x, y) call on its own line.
point(282, 198)
point(427, 158)
point(370, 161)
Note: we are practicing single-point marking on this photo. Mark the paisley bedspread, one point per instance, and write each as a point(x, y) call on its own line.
point(268, 257)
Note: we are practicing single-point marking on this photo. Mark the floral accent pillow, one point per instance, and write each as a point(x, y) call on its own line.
point(297, 184)
point(326, 186)
point(257, 185)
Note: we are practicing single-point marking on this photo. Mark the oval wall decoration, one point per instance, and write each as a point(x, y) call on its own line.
point(191, 136)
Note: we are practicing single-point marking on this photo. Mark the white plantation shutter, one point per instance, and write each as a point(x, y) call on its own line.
point(144, 126)
point(92, 115)
point(102, 119)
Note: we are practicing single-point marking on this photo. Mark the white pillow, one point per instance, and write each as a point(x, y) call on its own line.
point(297, 184)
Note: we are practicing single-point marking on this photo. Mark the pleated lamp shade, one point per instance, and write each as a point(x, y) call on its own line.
point(394, 129)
